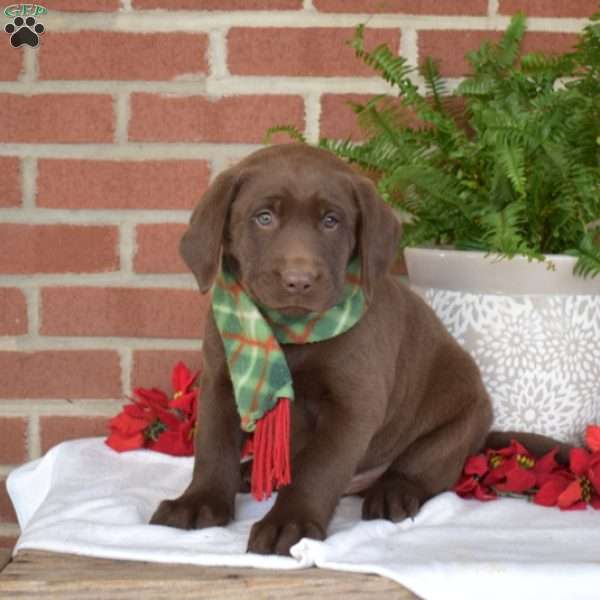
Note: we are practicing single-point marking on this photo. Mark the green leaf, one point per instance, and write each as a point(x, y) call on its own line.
point(434, 83)
point(291, 130)
point(483, 86)
point(588, 255)
point(394, 69)
point(510, 44)
point(503, 229)
point(512, 160)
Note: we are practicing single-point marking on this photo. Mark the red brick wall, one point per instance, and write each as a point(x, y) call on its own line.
point(111, 130)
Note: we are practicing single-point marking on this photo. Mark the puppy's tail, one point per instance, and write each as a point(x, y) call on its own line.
point(537, 444)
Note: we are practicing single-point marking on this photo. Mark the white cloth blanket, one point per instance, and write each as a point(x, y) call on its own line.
point(84, 498)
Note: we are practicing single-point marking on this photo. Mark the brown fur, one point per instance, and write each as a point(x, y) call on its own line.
point(396, 393)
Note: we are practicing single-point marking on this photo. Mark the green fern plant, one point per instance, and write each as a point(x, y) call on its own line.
point(509, 163)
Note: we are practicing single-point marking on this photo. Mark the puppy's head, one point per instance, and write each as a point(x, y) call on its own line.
point(287, 220)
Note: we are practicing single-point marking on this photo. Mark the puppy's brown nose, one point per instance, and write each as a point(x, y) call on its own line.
point(297, 282)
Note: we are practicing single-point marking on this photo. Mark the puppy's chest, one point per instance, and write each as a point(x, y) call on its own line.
point(310, 386)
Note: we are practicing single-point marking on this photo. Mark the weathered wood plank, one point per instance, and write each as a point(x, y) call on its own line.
point(45, 575)
point(4, 557)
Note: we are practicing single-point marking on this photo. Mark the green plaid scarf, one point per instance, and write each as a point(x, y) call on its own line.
point(259, 372)
point(251, 336)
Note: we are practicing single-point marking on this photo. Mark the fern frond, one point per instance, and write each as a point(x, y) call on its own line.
point(394, 69)
point(436, 86)
point(381, 117)
point(291, 130)
point(347, 149)
point(510, 44)
point(430, 182)
point(553, 67)
point(482, 86)
point(512, 160)
point(504, 230)
point(588, 255)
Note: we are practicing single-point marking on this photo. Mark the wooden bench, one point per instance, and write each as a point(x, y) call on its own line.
point(35, 574)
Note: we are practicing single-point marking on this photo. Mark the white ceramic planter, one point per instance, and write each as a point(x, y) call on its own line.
point(534, 332)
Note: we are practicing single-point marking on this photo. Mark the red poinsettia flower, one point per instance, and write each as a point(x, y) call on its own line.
point(178, 441)
point(516, 470)
point(592, 438)
point(139, 421)
point(155, 422)
point(553, 487)
point(184, 397)
point(151, 397)
point(127, 429)
point(504, 460)
point(546, 466)
point(576, 488)
point(470, 484)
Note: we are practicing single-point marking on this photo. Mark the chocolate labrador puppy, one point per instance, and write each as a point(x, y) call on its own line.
point(391, 408)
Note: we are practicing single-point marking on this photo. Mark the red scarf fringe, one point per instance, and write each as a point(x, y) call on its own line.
point(271, 466)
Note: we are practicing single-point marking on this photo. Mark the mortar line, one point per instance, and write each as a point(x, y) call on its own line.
point(127, 248)
point(121, 108)
point(312, 112)
point(409, 45)
point(130, 151)
point(28, 182)
point(215, 88)
point(106, 343)
point(186, 21)
point(60, 408)
point(32, 297)
point(114, 279)
point(217, 54)
point(34, 444)
point(29, 73)
point(91, 217)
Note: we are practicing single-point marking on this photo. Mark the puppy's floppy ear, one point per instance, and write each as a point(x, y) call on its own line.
point(379, 233)
point(200, 246)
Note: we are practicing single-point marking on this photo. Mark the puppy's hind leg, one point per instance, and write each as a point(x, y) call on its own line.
point(430, 465)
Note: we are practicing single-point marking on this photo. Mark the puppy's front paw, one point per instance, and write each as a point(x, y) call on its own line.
point(192, 512)
point(275, 535)
point(393, 498)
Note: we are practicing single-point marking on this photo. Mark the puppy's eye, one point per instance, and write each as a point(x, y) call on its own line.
point(330, 221)
point(264, 218)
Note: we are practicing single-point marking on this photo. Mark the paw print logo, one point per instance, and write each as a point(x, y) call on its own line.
point(24, 32)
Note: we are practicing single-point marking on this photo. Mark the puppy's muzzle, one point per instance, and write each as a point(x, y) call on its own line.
point(298, 282)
